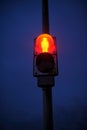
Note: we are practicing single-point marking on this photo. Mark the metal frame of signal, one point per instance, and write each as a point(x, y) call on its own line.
point(48, 80)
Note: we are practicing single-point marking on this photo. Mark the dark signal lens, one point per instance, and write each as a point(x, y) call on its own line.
point(45, 62)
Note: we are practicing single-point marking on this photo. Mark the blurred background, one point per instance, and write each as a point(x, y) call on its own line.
point(21, 103)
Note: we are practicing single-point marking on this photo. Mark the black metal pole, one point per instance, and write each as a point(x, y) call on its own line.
point(47, 91)
point(45, 17)
point(47, 109)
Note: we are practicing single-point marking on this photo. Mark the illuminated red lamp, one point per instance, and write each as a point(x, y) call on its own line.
point(45, 43)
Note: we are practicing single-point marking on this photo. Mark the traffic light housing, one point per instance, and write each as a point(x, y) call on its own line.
point(45, 62)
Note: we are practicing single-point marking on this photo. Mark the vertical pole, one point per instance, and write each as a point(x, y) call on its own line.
point(47, 91)
point(47, 109)
point(45, 17)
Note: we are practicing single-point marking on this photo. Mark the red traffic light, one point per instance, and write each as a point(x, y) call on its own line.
point(45, 56)
point(45, 43)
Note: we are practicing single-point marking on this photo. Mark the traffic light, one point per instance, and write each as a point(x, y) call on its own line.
point(45, 56)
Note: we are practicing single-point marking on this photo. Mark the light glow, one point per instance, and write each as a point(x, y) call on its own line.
point(44, 44)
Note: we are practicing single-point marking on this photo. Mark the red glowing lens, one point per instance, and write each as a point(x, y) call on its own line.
point(44, 43)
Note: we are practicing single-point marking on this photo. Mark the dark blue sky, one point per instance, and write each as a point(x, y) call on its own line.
point(21, 99)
